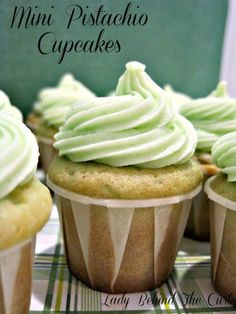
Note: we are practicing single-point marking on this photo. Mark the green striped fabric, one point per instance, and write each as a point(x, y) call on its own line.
point(188, 290)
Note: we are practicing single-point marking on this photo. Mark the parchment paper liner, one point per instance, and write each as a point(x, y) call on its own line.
point(223, 243)
point(198, 224)
point(47, 151)
point(121, 246)
point(32, 126)
point(16, 265)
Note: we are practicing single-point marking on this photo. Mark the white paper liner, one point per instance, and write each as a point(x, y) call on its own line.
point(217, 227)
point(169, 222)
point(217, 197)
point(119, 228)
point(220, 205)
point(10, 266)
point(82, 221)
point(122, 203)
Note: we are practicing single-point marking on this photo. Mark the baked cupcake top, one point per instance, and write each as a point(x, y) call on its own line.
point(6, 107)
point(178, 98)
point(53, 103)
point(212, 116)
point(105, 182)
point(25, 203)
point(139, 126)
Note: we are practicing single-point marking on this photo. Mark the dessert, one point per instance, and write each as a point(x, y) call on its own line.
point(177, 97)
point(6, 106)
point(123, 181)
point(50, 112)
point(212, 116)
point(25, 205)
point(221, 190)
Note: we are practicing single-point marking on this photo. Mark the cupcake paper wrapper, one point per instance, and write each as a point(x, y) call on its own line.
point(223, 242)
point(16, 278)
point(32, 126)
point(47, 151)
point(139, 244)
point(198, 224)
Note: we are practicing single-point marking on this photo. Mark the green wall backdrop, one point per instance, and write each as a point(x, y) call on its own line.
point(181, 44)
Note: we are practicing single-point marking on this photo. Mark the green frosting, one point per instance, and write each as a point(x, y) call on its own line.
point(19, 154)
point(139, 126)
point(212, 116)
point(224, 155)
point(6, 107)
point(178, 98)
point(54, 103)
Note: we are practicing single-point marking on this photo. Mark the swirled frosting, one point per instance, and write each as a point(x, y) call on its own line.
point(137, 127)
point(54, 103)
point(224, 155)
point(212, 116)
point(6, 106)
point(178, 98)
point(18, 154)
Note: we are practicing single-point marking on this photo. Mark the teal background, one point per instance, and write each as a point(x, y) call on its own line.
point(181, 45)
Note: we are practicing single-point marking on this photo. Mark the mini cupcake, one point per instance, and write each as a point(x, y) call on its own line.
point(124, 180)
point(221, 190)
point(6, 107)
point(25, 206)
point(212, 116)
point(50, 112)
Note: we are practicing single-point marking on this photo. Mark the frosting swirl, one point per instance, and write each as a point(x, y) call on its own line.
point(224, 155)
point(54, 103)
point(137, 128)
point(212, 116)
point(18, 154)
point(6, 106)
point(178, 98)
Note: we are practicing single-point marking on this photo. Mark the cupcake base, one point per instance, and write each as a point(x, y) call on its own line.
point(16, 278)
point(223, 251)
point(223, 243)
point(115, 247)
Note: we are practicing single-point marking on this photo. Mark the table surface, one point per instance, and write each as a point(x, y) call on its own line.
point(188, 290)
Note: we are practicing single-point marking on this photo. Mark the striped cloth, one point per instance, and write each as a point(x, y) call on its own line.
point(188, 290)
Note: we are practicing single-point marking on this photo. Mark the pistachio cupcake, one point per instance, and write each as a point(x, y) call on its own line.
point(212, 116)
point(25, 206)
point(6, 107)
point(124, 180)
point(50, 111)
point(221, 190)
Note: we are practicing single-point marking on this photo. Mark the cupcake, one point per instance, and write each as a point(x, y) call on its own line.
point(177, 97)
point(25, 206)
point(51, 109)
point(123, 181)
point(6, 107)
point(221, 190)
point(212, 116)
